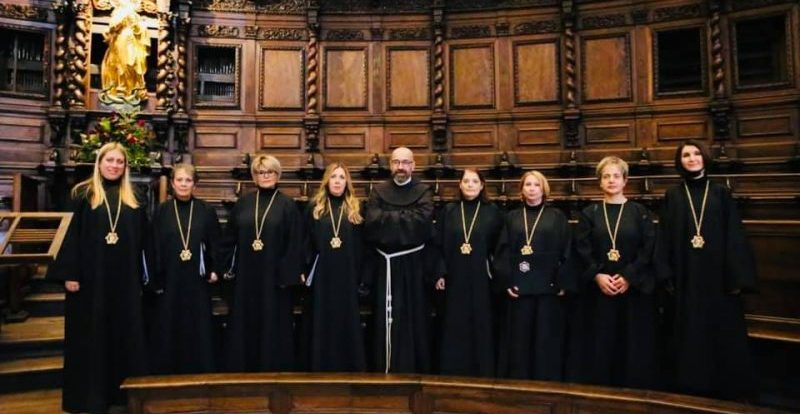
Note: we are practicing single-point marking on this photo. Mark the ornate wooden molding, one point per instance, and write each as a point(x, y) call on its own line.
point(537, 27)
point(496, 4)
point(249, 6)
point(469, 32)
point(678, 12)
point(344, 35)
point(717, 56)
point(414, 33)
point(214, 30)
point(603, 21)
point(571, 120)
point(754, 4)
point(23, 12)
point(274, 33)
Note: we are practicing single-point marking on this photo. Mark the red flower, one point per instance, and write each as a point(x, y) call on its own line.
point(131, 139)
point(140, 122)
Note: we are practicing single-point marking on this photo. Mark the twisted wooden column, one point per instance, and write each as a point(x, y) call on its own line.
point(60, 59)
point(165, 72)
point(180, 63)
point(311, 78)
point(720, 107)
point(79, 54)
point(572, 114)
point(438, 69)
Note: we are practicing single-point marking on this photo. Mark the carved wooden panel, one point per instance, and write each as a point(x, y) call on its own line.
point(216, 138)
point(539, 134)
point(408, 78)
point(536, 74)
point(681, 130)
point(606, 68)
point(345, 138)
point(471, 136)
point(608, 133)
point(282, 78)
point(472, 76)
point(411, 137)
point(280, 138)
point(21, 129)
point(345, 79)
point(765, 126)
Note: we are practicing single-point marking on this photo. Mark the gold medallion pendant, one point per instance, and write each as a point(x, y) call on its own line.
point(336, 242)
point(186, 255)
point(258, 245)
point(466, 248)
point(526, 250)
point(613, 255)
point(112, 237)
point(697, 241)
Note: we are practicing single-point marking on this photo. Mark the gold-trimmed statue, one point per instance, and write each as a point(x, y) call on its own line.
point(125, 62)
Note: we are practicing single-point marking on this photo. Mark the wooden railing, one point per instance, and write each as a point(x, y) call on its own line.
point(377, 393)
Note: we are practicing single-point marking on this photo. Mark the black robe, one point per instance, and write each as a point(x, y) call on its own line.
point(710, 334)
point(337, 342)
point(619, 337)
point(399, 218)
point(104, 339)
point(532, 342)
point(467, 344)
point(182, 334)
point(259, 334)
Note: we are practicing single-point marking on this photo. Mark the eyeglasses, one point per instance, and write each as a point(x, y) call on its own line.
point(265, 173)
point(404, 163)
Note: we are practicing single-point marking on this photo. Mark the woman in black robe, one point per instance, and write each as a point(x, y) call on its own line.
point(336, 260)
point(184, 237)
point(101, 266)
point(614, 241)
point(466, 234)
point(703, 255)
point(531, 258)
point(262, 251)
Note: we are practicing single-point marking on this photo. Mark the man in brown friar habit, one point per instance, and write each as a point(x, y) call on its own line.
point(398, 224)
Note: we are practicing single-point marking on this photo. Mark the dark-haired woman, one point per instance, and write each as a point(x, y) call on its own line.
point(704, 256)
point(467, 232)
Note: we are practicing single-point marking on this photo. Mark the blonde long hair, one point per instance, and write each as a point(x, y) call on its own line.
point(351, 204)
point(92, 187)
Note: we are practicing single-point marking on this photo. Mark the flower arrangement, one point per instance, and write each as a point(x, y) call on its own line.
point(137, 136)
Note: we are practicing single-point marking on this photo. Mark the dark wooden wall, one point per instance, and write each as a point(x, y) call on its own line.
point(554, 85)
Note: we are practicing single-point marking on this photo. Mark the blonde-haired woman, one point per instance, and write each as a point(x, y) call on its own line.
point(531, 258)
point(262, 254)
point(614, 241)
point(101, 266)
point(183, 244)
point(336, 246)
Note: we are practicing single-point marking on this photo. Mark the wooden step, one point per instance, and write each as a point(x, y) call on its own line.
point(32, 402)
point(26, 365)
point(45, 303)
point(28, 374)
point(37, 336)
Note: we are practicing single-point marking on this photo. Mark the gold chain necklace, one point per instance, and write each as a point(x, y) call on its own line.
point(466, 248)
point(186, 253)
point(527, 249)
point(697, 241)
point(112, 237)
point(613, 254)
point(336, 242)
point(258, 245)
